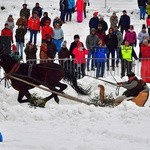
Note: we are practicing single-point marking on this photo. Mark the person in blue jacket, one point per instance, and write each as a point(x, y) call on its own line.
point(100, 59)
point(70, 10)
point(94, 21)
point(142, 6)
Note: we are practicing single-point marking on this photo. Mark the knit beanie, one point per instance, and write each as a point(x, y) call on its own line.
point(143, 26)
point(64, 43)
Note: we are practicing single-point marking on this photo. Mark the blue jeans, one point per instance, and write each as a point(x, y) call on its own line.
point(58, 44)
point(142, 12)
point(33, 33)
point(69, 14)
point(91, 54)
point(19, 46)
point(100, 69)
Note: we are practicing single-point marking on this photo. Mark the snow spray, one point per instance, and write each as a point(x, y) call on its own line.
point(1, 137)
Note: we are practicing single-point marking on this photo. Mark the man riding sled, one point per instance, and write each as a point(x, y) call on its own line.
point(137, 90)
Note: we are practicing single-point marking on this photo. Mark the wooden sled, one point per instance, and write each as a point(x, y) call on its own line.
point(141, 99)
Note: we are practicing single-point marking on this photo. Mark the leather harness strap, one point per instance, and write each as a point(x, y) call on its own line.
point(13, 70)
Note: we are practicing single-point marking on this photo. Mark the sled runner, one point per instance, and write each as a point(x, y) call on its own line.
point(141, 99)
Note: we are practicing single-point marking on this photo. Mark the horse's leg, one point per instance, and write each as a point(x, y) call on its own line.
point(53, 95)
point(62, 86)
point(21, 95)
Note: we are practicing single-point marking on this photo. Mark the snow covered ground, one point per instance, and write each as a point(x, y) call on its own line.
point(71, 125)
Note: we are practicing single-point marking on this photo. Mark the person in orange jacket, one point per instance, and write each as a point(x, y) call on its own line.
point(80, 60)
point(80, 10)
point(46, 30)
point(7, 32)
point(34, 26)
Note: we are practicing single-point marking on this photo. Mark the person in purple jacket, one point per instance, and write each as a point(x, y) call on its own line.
point(131, 36)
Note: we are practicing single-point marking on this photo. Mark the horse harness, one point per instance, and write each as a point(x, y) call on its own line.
point(13, 70)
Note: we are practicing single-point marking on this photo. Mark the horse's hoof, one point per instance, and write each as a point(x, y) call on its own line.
point(57, 100)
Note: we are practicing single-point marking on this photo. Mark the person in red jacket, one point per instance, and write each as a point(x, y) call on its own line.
point(145, 62)
point(148, 23)
point(34, 26)
point(80, 60)
point(7, 32)
point(46, 30)
point(80, 10)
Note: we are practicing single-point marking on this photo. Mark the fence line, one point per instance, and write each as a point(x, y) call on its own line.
point(136, 66)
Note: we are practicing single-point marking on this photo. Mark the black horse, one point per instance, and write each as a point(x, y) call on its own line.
point(47, 74)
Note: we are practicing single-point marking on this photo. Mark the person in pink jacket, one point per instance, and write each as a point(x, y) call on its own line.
point(131, 36)
point(80, 10)
point(80, 59)
point(34, 26)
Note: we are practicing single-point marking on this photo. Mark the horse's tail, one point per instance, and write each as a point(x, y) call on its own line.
point(71, 79)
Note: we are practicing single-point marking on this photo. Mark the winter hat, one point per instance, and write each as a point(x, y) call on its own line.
point(124, 11)
point(24, 5)
point(64, 43)
point(145, 41)
point(10, 16)
point(143, 26)
point(37, 3)
point(131, 74)
point(114, 13)
point(6, 24)
point(76, 36)
point(95, 13)
point(93, 29)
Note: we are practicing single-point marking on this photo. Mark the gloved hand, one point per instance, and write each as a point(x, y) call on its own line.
point(119, 83)
point(88, 4)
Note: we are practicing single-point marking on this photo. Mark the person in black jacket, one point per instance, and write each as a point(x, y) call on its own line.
point(94, 21)
point(63, 4)
point(20, 39)
point(142, 6)
point(103, 23)
point(51, 48)
point(73, 45)
point(38, 9)
point(44, 19)
point(111, 41)
point(124, 22)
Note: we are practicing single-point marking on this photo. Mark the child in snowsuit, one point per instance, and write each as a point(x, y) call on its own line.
point(80, 60)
